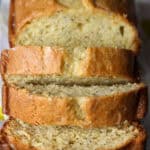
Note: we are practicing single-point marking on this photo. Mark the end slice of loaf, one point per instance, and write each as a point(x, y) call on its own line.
point(61, 23)
point(90, 106)
point(22, 136)
point(81, 66)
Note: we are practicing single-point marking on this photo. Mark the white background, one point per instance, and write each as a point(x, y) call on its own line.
point(143, 12)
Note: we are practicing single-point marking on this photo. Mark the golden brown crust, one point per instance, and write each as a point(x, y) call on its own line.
point(35, 109)
point(32, 60)
point(123, 7)
point(137, 143)
point(11, 25)
point(23, 12)
point(10, 142)
point(3, 144)
point(98, 62)
point(143, 103)
point(33, 9)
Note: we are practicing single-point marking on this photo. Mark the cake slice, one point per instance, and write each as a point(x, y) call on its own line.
point(70, 24)
point(85, 106)
point(22, 136)
point(56, 65)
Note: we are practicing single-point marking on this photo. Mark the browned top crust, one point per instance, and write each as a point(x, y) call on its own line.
point(97, 62)
point(139, 142)
point(12, 142)
point(32, 60)
point(23, 12)
point(5, 144)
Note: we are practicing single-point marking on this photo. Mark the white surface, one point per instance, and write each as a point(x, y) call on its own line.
point(143, 11)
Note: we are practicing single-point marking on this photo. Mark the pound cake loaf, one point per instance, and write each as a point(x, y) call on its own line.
point(22, 136)
point(90, 66)
point(85, 106)
point(70, 24)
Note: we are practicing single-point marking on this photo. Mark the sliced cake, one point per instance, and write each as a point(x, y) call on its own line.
point(22, 136)
point(85, 106)
point(70, 24)
point(56, 65)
